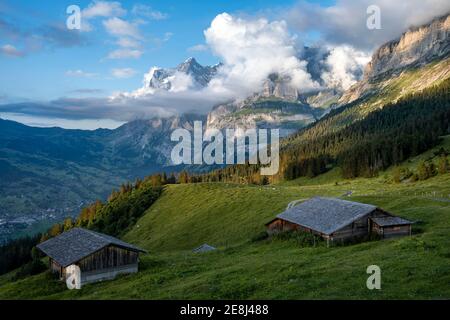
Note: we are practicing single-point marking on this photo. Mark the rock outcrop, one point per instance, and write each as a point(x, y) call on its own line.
point(416, 47)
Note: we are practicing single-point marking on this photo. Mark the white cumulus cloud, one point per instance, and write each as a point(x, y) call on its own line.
point(198, 48)
point(344, 65)
point(128, 43)
point(123, 73)
point(80, 74)
point(127, 33)
point(125, 54)
point(148, 12)
point(249, 49)
point(121, 28)
point(12, 51)
point(252, 49)
point(102, 9)
point(129, 38)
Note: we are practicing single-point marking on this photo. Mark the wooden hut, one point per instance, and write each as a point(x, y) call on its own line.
point(335, 219)
point(389, 226)
point(99, 256)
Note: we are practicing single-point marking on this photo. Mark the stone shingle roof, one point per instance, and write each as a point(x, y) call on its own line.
point(203, 248)
point(77, 243)
point(326, 215)
point(390, 221)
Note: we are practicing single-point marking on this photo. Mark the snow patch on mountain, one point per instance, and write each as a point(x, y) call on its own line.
point(189, 75)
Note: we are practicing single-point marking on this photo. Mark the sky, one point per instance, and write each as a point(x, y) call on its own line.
point(90, 78)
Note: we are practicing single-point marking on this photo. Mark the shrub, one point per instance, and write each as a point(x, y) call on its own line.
point(17, 253)
point(30, 269)
point(443, 165)
point(263, 235)
point(397, 175)
point(355, 240)
point(301, 238)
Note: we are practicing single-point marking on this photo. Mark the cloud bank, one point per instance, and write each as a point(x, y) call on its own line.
point(251, 50)
point(344, 66)
point(128, 36)
point(345, 21)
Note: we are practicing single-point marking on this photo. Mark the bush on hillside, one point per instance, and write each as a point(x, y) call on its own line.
point(263, 235)
point(16, 253)
point(300, 238)
point(30, 269)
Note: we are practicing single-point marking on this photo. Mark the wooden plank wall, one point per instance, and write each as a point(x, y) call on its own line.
point(396, 231)
point(108, 257)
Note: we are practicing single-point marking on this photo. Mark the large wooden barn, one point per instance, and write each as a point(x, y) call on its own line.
point(99, 256)
point(339, 220)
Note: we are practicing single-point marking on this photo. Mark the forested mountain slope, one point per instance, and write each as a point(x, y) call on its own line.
point(364, 146)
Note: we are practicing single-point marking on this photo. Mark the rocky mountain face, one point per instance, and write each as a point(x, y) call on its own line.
point(278, 87)
point(160, 78)
point(148, 141)
point(202, 75)
point(271, 113)
point(277, 105)
point(417, 47)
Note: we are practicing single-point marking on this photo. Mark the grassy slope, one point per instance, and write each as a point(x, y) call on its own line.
point(228, 216)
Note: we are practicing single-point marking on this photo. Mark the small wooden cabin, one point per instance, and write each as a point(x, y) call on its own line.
point(339, 220)
point(390, 226)
point(99, 256)
point(204, 248)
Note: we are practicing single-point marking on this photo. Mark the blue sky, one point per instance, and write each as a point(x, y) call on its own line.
point(54, 76)
point(42, 75)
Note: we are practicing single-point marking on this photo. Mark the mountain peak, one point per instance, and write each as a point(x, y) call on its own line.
point(190, 60)
point(190, 65)
point(160, 78)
